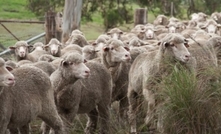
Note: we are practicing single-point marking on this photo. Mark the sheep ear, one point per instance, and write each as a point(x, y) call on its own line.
point(165, 44)
point(186, 45)
point(219, 25)
point(12, 48)
point(128, 49)
point(64, 63)
point(106, 49)
point(9, 68)
point(158, 43)
point(94, 44)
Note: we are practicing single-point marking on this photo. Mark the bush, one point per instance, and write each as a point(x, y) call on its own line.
point(191, 104)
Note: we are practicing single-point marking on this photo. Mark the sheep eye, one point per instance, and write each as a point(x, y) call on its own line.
point(172, 45)
point(112, 48)
point(70, 63)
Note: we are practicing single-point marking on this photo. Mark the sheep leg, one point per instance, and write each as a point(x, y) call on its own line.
point(132, 99)
point(92, 122)
point(45, 128)
point(25, 129)
point(3, 124)
point(50, 117)
point(123, 108)
point(150, 98)
point(14, 131)
point(104, 115)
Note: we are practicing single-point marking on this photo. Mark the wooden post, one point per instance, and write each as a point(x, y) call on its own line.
point(140, 16)
point(51, 27)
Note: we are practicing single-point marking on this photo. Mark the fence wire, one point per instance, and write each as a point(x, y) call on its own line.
point(22, 31)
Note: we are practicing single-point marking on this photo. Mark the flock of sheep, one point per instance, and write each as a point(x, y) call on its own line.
point(57, 81)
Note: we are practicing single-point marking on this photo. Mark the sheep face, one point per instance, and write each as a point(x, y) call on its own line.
point(178, 50)
point(74, 66)
point(6, 78)
point(20, 48)
point(211, 28)
point(171, 28)
point(54, 48)
point(89, 52)
point(149, 33)
point(117, 51)
point(115, 33)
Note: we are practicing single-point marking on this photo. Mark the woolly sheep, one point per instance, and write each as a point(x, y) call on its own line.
point(21, 51)
point(216, 16)
point(90, 96)
point(161, 20)
point(146, 66)
point(30, 97)
point(89, 52)
point(77, 39)
point(116, 58)
point(70, 49)
point(115, 33)
point(54, 47)
point(6, 78)
point(38, 50)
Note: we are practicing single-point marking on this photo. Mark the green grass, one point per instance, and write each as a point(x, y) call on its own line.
point(16, 9)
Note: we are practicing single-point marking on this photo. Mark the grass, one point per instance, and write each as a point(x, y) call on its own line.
point(192, 104)
point(15, 9)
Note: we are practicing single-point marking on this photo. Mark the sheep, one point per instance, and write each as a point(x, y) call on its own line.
point(149, 32)
point(161, 20)
point(77, 39)
point(54, 47)
point(216, 16)
point(71, 48)
point(146, 66)
point(89, 52)
point(21, 51)
point(44, 66)
point(77, 31)
point(23, 62)
point(91, 96)
point(115, 33)
point(200, 18)
point(46, 57)
point(215, 42)
point(211, 26)
point(30, 97)
point(38, 50)
point(7, 79)
point(12, 64)
point(204, 54)
point(159, 29)
point(172, 27)
point(116, 57)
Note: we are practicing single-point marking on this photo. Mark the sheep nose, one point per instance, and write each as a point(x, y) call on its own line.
point(87, 72)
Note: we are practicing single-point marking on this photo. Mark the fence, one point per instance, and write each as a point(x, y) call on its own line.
point(31, 31)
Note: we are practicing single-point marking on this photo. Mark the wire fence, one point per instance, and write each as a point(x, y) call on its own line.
point(21, 31)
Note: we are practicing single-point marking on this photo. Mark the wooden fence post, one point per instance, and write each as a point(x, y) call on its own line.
point(52, 26)
point(140, 16)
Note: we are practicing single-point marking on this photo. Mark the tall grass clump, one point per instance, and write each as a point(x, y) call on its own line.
point(191, 102)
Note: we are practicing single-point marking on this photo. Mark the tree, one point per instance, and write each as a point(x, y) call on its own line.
point(71, 18)
point(113, 12)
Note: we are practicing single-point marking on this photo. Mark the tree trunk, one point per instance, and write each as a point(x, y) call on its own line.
point(71, 18)
point(140, 16)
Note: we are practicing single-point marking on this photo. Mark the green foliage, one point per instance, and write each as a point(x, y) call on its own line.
point(39, 7)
